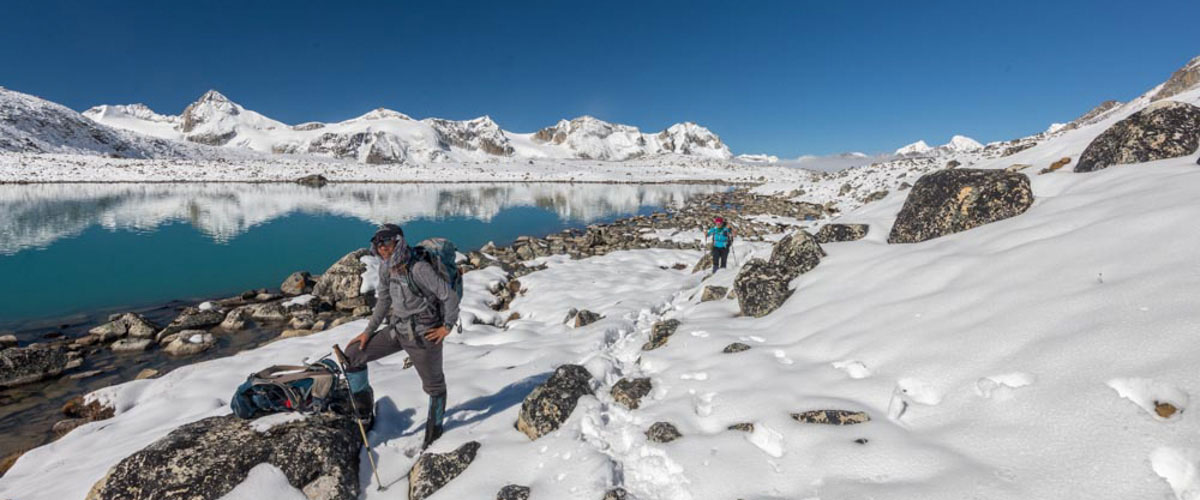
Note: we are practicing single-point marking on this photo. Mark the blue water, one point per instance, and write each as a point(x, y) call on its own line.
point(78, 249)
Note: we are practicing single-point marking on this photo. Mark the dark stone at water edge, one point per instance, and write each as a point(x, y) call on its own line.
point(432, 471)
point(26, 365)
point(951, 201)
point(831, 233)
point(1165, 129)
point(206, 459)
point(297, 283)
point(550, 404)
point(314, 180)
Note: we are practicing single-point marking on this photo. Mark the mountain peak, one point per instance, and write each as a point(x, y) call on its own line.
point(213, 96)
point(384, 114)
point(1181, 80)
point(914, 148)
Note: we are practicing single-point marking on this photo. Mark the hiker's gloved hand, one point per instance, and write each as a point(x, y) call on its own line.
point(362, 339)
point(437, 334)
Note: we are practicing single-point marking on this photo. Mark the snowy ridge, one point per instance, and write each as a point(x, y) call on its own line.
point(957, 144)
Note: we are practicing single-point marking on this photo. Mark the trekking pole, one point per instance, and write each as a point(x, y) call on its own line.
point(341, 358)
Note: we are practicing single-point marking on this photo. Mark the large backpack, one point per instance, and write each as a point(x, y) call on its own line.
point(442, 255)
point(308, 389)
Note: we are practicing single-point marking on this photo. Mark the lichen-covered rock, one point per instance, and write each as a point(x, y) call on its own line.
point(797, 253)
point(206, 459)
point(713, 292)
point(513, 492)
point(26, 365)
point(950, 201)
point(761, 288)
point(237, 318)
point(1165, 129)
point(831, 233)
point(586, 317)
point(342, 282)
point(630, 391)
point(735, 347)
point(128, 324)
point(192, 319)
point(190, 342)
point(616, 494)
point(663, 432)
point(742, 427)
point(432, 471)
point(297, 283)
point(551, 403)
point(660, 333)
point(832, 417)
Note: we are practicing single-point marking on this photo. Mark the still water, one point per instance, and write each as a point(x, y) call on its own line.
point(75, 249)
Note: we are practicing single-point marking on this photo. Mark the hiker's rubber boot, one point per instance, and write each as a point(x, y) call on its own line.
point(433, 424)
point(363, 396)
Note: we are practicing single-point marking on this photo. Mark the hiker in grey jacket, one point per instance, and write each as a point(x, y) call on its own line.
point(419, 307)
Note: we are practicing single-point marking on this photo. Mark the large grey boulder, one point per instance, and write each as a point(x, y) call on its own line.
point(26, 365)
point(122, 325)
point(341, 284)
point(432, 471)
point(206, 459)
point(797, 253)
point(761, 288)
point(831, 233)
point(297, 283)
point(1165, 129)
point(551, 403)
point(192, 319)
point(951, 201)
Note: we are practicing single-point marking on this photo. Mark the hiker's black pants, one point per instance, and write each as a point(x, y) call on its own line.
point(720, 257)
point(426, 357)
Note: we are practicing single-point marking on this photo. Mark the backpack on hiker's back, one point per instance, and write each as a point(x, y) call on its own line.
point(442, 256)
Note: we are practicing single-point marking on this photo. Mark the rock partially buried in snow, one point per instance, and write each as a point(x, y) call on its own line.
point(712, 292)
point(629, 392)
point(128, 324)
point(742, 426)
point(616, 494)
point(190, 342)
point(432, 471)
point(831, 233)
point(951, 201)
point(797, 253)
point(551, 403)
point(660, 333)
point(26, 365)
point(586, 317)
point(735, 348)
point(663, 432)
point(705, 263)
point(208, 458)
point(1165, 129)
point(513, 492)
point(761, 288)
point(832, 417)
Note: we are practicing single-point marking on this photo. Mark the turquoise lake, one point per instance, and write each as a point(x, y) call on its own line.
point(72, 250)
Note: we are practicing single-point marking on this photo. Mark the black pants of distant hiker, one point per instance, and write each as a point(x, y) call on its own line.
point(426, 357)
point(720, 257)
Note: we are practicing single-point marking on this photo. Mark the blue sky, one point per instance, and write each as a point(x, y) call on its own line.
point(784, 78)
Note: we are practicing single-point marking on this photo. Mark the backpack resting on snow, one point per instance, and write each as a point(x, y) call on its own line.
point(309, 389)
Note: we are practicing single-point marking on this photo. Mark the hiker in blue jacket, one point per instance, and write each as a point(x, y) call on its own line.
point(420, 306)
point(722, 238)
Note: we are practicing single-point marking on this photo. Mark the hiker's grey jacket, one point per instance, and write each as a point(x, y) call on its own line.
point(412, 315)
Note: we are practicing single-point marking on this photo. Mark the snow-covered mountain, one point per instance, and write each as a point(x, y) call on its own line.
point(957, 144)
point(386, 136)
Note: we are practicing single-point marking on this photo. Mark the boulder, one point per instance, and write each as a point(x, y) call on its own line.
point(831, 233)
point(190, 342)
point(191, 319)
point(1062, 162)
point(704, 264)
point(762, 287)
point(950, 201)
point(832, 417)
point(128, 324)
point(735, 347)
point(298, 283)
point(630, 391)
point(742, 427)
point(586, 317)
point(343, 282)
point(797, 253)
point(1165, 129)
point(663, 432)
point(551, 403)
point(237, 317)
point(26, 365)
point(313, 180)
point(513, 492)
point(146, 373)
point(131, 345)
point(7, 341)
point(206, 459)
point(660, 332)
point(712, 292)
point(432, 471)
point(616, 494)
point(570, 315)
